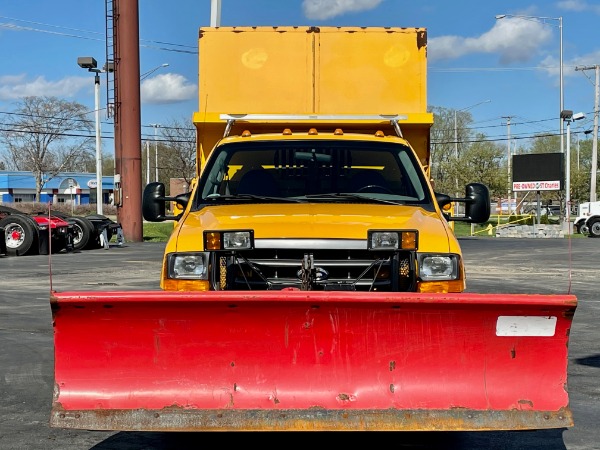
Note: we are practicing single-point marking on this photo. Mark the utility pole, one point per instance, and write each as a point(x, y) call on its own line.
point(147, 162)
point(594, 168)
point(127, 119)
point(456, 111)
point(155, 126)
point(509, 162)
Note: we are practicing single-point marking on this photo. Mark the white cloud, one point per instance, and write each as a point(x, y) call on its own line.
point(167, 88)
point(15, 87)
point(513, 39)
point(553, 65)
point(572, 5)
point(326, 9)
point(578, 6)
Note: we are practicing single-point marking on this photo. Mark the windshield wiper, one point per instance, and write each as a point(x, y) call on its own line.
point(349, 196)
point(263, 198)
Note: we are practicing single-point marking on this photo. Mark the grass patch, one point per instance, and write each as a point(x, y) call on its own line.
point(157, 231)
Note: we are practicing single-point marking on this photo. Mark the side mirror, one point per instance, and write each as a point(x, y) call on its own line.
point(154, 203)
point(476, 200)
point(477, 204)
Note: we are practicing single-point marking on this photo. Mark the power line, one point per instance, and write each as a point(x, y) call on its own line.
point(178, 48)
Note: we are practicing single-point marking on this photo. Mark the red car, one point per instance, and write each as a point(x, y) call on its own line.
point(34, 234)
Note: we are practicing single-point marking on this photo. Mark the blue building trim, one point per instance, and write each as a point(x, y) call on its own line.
point(65, 186)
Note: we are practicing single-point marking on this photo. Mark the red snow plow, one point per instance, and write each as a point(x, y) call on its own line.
point(312, 281)
point(310, 360)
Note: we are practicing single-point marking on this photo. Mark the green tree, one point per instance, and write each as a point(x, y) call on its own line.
point(483, 162)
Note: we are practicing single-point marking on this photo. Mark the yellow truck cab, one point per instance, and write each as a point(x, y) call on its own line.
point(309, 179)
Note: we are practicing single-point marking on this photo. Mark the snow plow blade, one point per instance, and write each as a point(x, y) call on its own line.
point(310, 361)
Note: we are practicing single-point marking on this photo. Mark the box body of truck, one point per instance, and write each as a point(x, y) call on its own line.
point(312, 280)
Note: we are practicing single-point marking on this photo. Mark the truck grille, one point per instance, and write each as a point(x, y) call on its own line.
point(273, 269)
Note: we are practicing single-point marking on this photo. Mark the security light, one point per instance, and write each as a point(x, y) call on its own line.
point(87, 62)
point(566, 114)
point(578, 116)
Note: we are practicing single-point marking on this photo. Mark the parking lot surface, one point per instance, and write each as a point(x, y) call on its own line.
point(493, 266)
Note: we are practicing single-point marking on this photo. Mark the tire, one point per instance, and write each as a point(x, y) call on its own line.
point(594, 228)
point(21, 232)
point(99, 222)
point(83, 230)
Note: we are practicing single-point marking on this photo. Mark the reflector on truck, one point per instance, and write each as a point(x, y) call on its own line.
point(310, 360)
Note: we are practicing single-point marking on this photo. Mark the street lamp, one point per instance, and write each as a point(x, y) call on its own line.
point(568, 116)
point(456, 143)
point(560, 28)
point(89, 63)
point(151, 71)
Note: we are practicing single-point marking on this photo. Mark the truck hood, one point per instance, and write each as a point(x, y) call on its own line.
point(317, 221)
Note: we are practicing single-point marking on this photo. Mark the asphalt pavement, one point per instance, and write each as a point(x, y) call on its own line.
point(493, 265)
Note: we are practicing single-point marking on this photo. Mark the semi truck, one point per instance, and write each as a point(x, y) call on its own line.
point(38, 234)
point(312, 281)
point(588, 219)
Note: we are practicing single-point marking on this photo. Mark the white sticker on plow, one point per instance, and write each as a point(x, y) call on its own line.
point(526, 326)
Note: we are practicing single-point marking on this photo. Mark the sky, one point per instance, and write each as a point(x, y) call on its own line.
point(499, 70)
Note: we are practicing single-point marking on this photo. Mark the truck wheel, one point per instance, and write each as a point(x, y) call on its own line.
point(20, 234)
point(84, 230)
point(594, 226)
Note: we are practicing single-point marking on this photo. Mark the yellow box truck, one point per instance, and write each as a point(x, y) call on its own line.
point(312, 280)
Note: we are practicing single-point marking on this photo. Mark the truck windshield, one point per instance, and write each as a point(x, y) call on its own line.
point(313, 171)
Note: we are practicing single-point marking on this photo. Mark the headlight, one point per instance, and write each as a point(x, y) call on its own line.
point(391, 240)
point(190, 266)
point(229, 240)
point(435, 267)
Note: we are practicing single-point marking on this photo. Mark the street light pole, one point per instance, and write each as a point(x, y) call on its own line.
point(151, 71)
point(99, 189)
point(89, 63)
point(215, 13)
point(568, 179)
point(456, 143)
point(568, 116)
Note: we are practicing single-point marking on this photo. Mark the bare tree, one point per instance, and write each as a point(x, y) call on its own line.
point(46, 135)
point(177, 151)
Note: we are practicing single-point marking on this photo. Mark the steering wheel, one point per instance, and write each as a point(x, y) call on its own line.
point(375, 188)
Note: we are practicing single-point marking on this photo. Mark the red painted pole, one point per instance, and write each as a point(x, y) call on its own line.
point(128, 147)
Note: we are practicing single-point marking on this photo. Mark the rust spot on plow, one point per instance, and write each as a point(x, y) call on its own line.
point(526, 403)
point(345, 398)
point(392, 388)
point(513, 353)
point(392, 365)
